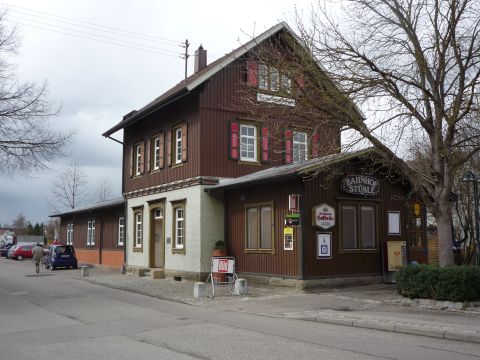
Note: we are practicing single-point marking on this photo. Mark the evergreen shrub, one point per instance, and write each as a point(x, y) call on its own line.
point(452, 283)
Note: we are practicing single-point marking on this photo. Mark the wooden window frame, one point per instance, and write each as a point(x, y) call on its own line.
point(258, 206)
point(91, 233)
point(182, 204)
point(121, 231)
point(358, 228)
point(268, 76)
point(255, 159)
point(156, 153)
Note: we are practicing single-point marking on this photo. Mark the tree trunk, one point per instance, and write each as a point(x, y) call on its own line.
point(444, 230)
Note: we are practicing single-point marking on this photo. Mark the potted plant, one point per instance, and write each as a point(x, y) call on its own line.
point(219, 249)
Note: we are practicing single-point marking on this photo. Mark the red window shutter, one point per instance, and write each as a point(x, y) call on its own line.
point(131, 160)
point(142, 158)
point(147, 154)
point(234, 141)
point(288, 140)
point(315, 145)
point(301, 83)
point(252, 73)
point(169, 148)
point(265, 148)
point(162, 150)
point(184, 142)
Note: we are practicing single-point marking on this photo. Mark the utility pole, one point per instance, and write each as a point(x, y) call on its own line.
point(186, 56)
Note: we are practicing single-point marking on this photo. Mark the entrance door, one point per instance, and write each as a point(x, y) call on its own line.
point(157, 257)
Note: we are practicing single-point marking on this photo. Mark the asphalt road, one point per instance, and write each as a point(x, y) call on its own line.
point(54, 315)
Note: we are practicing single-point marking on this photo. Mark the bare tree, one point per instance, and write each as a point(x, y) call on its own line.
point(103, 191)
point(413, 67)
point(52, 228)
point(20, 224)
point(69, 188)
point(26, 140)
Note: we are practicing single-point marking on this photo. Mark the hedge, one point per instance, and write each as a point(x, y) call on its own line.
point(452, 283)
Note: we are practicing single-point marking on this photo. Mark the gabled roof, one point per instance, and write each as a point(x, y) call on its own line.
point(288, 171)
point(90, 207)
point(192, 82)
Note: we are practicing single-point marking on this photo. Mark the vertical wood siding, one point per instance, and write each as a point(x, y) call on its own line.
point(282, 262)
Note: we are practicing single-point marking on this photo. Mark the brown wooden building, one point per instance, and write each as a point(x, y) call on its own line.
point(371, 206)
point(97, 232)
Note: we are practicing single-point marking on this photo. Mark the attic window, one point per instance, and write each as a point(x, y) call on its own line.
point(269, 78)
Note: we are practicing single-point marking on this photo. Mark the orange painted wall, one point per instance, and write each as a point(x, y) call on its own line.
point(112, 258)
point(88, 256)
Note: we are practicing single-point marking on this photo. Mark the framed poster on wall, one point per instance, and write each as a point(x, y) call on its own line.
point(324, 245)
point(394, 223)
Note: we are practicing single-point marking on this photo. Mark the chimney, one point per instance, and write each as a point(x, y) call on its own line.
point(200, 59)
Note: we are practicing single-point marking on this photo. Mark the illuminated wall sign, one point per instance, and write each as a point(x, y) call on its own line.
point(323, 216)
point(360, 185)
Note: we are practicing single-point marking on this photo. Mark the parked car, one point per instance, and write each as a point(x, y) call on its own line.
point(22, 251)
point(4, 249)
point(10, 251)
point(61, 256)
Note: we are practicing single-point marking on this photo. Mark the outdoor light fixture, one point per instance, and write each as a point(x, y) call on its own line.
point(469, 177)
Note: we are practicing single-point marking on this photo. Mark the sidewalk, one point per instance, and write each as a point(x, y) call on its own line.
point(377, 306)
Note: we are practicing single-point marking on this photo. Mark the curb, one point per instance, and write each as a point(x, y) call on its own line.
point(404, 328)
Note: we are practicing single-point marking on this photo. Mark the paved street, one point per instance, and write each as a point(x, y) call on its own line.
point(57, 315)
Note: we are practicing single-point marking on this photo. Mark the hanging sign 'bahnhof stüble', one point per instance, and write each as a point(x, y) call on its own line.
point(360, 185)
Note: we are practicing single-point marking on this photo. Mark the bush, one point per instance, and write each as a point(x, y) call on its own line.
point(453, 283)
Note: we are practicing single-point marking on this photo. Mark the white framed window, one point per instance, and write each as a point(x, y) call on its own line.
point(263, 77)
point(158, 213)
point(179, 226)
point(156, 153)
point(138, 218)
point(300, 147)
point(69, 234)
point(121, 231)
point(138, 159)
point(248, 143)
point(178, 145)
point(274, 79)
point(91, 233)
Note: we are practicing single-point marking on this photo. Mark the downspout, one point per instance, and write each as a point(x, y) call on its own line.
point(301, 242)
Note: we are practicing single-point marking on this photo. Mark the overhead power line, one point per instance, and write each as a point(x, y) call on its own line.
point(27, 11)
point(90, 34)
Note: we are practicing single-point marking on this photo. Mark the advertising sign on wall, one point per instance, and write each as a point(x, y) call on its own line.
point(324, 245)
point(323, 216)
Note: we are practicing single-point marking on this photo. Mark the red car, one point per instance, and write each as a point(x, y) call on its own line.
point(22, 251)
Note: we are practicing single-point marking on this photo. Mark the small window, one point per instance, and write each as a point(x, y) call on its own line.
point(158, 213)
point(179, 227)
point(262, 77)
point(248, 143)
point(138, 218)
point(274, 79)
point(69, 234)
point(178, 145)
point(259, 228)
point(300, 147)
point(121, 231)
point(156, 153)
point(91, 233)
point(138, 159)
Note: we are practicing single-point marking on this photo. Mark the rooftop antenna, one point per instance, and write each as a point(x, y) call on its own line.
point(185, 56)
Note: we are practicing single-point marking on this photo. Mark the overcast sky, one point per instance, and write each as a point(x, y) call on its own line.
point(96, 82)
